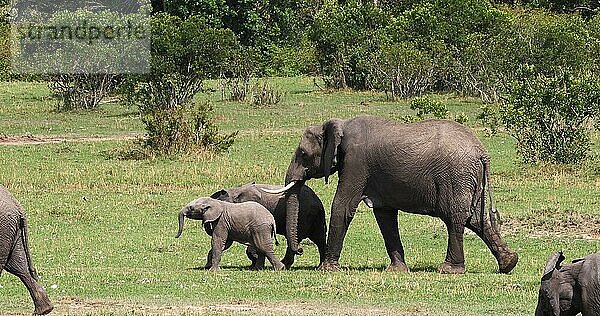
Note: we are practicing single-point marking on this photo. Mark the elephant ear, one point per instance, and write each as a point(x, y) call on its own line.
point(332, 137)
point(220, 195)
point(553, 264)
point(212, 212)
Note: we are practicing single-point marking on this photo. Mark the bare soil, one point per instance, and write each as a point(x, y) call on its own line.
point(552, 222)
point(77, 306)
point(34, 140)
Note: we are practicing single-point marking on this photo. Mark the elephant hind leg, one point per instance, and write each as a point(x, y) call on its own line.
point(455, 255)
point(263, 243)
point(258, 259)
point(19, 266)
point(507, 259)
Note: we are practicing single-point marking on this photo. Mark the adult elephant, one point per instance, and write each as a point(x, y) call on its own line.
point(14, 250)
point(434, 167)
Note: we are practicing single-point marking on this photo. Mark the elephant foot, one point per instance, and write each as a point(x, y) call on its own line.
point(398, 267)
point(279, 267)
point(329, 266)
point(450, 268)
point(287, 263)
point(43, 306)
point(213, 269)
point(508, 262)
point(287, 266)
point(44, 309)
point(256, 268)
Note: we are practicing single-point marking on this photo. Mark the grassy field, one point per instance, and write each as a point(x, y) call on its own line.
point(102, 230)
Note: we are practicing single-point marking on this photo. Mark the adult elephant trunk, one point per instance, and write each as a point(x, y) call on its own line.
point(182, 215)
point(292, 210)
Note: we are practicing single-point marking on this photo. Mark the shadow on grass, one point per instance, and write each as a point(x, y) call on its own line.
point(381, 268)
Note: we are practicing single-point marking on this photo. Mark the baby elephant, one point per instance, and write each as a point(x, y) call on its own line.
point(248, 223)
point(308, 220)
point(570, 289)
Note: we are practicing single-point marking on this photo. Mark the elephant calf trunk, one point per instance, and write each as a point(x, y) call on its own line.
point(181, 218)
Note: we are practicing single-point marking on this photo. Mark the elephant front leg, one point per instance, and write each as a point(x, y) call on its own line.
point(455, 256)
point(343, 209)
point(209, 257)
point(387, 220)
point(218, 245)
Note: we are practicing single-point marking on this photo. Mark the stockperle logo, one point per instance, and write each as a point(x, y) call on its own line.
point(66, 37)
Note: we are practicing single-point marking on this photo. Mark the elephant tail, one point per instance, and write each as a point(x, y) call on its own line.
point(274, 233)
point(25, 238)
point(492, 212)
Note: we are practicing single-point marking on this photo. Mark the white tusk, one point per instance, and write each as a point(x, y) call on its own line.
point(278, 191)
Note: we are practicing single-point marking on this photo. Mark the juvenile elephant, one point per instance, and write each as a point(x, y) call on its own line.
point(434, 167)
point(570, 289)
point(308, 221)
point(14, 250)
point(248, 223)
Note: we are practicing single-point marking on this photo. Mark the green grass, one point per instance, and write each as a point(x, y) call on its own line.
point(102, 230)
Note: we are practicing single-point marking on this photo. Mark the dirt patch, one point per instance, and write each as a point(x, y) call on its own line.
point(76, 306)
point(33, 140)
point(554, 222)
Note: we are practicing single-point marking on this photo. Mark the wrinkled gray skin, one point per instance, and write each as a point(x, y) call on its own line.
point(434, 167)
point(14, 250)
point(309, 223)
point(570, 289)
point(248, 223)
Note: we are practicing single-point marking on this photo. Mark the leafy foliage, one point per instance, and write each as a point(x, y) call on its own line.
point(184, 53)
point(551, 116)
point(82, 91)
point(402, 70)
point(265, 93)
point(425, 105)
point(345, 36)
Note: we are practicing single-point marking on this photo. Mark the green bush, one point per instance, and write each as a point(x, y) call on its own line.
point(184, 54)
point(552, 43)
point(81, 91)
point(426, 105)
point(551, 116)
point(345, 37)
point(183, 129)
point(401, 70)
point(265, 94)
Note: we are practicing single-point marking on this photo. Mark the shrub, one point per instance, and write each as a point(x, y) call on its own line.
point(81, 91)
point(265, 94)
point(183, 129)
point(79, 52)
point(235, 82)
point(551, 116)
point(402, 71)
point(184, 53)
point(550, 42)
point(426, 105)
point(345, 36)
